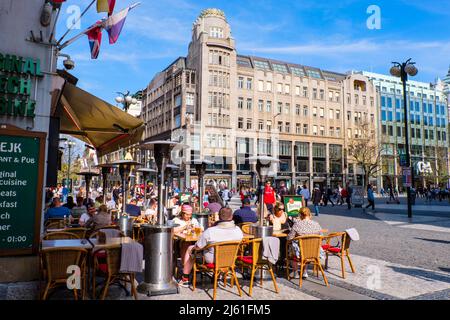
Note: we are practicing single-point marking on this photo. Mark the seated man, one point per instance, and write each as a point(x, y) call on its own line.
point(99, 220)
point(132, 209)
point(225, 230)
point(57, 211)
point(152, 210)
point(245, 214)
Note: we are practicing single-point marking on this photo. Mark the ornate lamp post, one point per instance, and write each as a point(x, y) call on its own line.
point(402, 70)
point(127, 99)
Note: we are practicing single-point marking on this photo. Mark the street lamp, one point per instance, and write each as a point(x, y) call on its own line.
point(127, 100)
point(402, 70)
point(69, 145)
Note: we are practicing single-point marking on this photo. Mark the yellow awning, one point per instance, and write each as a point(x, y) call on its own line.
point(98, 123)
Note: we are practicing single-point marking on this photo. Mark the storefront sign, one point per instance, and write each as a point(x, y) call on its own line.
point(21, 184)
point(424, 167)
point(358, 196)
point(293, 204)
point(16, 78)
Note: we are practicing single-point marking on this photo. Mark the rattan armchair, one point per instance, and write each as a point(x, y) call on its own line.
point(255, 261)
point(80, 232)
point(109, 268)
point(341, 249)
point(309, 254)
point(60, 235)
point(225, 254)
point(56, 261)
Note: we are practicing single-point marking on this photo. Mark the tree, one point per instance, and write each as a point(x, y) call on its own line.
point(366, 151)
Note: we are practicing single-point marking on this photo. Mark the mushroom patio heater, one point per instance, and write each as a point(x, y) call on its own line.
point(106, 168)
point(88, 178)
point(200, 167)
point(125, 222)
point(146, 173)
point(158, 275)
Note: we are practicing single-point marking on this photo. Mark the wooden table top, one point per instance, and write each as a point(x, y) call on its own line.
point(111, 242)
point(66, 243)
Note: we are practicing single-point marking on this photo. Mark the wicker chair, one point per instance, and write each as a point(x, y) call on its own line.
point(255, 262)
point(60, 235)
point(56, 261)
point(309, 253)
point(80, 232)
point(109, 268)
point(245, 227)
point(342, 249)
point(225, 254)
point(54, 224)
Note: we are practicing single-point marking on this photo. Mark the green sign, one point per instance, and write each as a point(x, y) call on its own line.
point(292, 204)
point(21, 171)
point(185, 197)
point(16, 78)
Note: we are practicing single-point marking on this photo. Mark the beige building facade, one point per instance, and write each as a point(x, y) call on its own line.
point(228, 107)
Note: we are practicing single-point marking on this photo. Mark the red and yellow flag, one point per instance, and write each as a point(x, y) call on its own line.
point(106, 6)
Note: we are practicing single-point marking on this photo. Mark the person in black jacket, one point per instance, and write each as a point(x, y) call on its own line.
point(316, 197)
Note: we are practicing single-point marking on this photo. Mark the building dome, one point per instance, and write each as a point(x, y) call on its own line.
point(212, 12)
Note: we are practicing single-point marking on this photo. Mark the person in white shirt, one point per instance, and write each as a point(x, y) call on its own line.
point(152, 210)
point(85, 217)
point(185, 221)
point(225, 230)
point(110, 203)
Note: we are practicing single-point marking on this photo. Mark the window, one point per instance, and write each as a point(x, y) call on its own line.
point(249, 104)
point(338, 132)
point(298, 128)
point(261, 125)
point(298, 71)
point(364, 100)
point(264, 65)
point(240, 103)
point(331, 132)
point(287, 108)
point(349, 115)
point(280, 126)
point(315, 130)
point(280, 107)
point(338, 114)
point(249, 83)
point(322, 112)
point(418, 133)
point(260, 85)
point(330, 95)
point(322, 94)
point(269, 106)
point(349, 133)
point(314, 74)
point(331, 113)
point(322, 130)
point(305, 111)
point(249, 124)
point(305, 129)
point(269, 125)
point(297, 109)
point(240, 123)
point(241, 83)
point(269, 86)
point(305, 92)
point(297, 90)
point(371, 101)
point(216, 32)
point(287, 89)
point(279, 87)
point(260, 105)
point(338, 96)
point(356, 99)
point(287, 127)
point(315, 94)
point(391, 131)
point(314, 111)
point(189, 99)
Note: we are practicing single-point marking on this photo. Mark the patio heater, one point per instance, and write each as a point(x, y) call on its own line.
point(158, 275)
point(106, 168)
point(169, 174)
point(200, 167)
point(88, 178)
point(263, 165)
point(125, 223)
point(146, 173)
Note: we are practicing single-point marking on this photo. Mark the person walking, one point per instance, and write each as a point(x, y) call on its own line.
point(305, 194)
point(316, 197)
point(348, 198)
point(269, 197)
point(370, 197)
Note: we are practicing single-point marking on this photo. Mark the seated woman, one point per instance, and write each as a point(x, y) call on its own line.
point(303, 226)
point(152, 210)
point(85, 217)
point(185, 220)
point(279, 218)
point(101, 219)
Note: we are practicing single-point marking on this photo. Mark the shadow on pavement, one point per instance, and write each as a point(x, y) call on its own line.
point(434, 240)
point(422, 274)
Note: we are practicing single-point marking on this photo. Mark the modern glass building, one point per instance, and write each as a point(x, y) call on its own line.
point(428, 130)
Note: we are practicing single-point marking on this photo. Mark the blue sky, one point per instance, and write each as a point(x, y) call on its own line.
point(331, 35)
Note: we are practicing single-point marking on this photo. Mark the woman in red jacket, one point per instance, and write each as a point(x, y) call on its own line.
point(269, 197)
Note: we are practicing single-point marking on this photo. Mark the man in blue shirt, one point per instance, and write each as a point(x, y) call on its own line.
point(57, 210)
point(132, 209)
point(245, 214)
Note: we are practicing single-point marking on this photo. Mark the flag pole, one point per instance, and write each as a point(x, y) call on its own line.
point(72, 40)
point(79, 18)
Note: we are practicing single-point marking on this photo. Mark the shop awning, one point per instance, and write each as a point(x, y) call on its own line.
point(98, 123)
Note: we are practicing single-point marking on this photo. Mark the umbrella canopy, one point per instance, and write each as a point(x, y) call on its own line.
point(102, 125)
